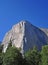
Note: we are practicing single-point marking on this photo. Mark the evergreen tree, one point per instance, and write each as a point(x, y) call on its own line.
point(44, 54)
point(1, 58)
point(33, 56)
point(1, 54)
point(12, 57)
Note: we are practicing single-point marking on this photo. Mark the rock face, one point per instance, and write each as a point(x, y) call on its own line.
point(45, 30)
point(24, 35)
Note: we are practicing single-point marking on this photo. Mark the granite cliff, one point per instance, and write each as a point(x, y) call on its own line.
point(24, 35)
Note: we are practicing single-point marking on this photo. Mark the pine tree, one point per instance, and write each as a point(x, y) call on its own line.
point(33, 56)
point(12, 57)
point(44, 54)
point(1, 54)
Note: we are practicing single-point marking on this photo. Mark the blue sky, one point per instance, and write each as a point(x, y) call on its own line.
point(12, 11)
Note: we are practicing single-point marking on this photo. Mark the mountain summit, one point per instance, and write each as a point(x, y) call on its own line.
point(24, 35)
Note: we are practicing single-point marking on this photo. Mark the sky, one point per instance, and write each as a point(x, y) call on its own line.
point(12, 11)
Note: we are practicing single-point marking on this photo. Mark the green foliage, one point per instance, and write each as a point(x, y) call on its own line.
point(1, 58)
point(44, 54)
point(12, 57)
point(33, 56)
point(1, 54)
point(25, 62)
point(1, 47)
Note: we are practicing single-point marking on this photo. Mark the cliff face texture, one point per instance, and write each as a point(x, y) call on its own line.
point(24, 35)
point(45, 30)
